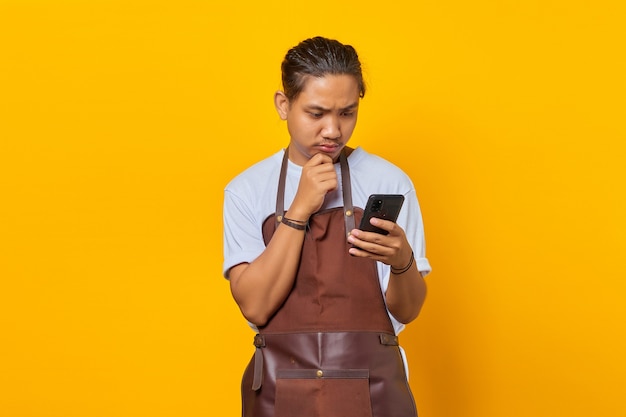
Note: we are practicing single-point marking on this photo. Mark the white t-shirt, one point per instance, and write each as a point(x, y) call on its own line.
point(251, 197)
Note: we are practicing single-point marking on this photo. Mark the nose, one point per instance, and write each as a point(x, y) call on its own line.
point(332, 128)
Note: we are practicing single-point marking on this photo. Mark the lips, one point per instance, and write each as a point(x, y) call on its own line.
point(328, 147)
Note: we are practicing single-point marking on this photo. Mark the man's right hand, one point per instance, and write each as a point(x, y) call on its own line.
point(317, 179)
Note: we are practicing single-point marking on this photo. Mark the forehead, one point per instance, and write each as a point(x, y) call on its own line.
point(329, 91)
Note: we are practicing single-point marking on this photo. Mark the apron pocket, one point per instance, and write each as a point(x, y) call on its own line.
point(322, 392)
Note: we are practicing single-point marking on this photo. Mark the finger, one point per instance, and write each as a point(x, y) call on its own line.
point(386, 225)
point(361, 252)
point(326, 176)
point(319, 159)
point(373, 237)
point(323, 169)
point(328, 184)
point(363, 243)
point(321, 174)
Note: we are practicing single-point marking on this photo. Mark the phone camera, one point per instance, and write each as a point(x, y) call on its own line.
point(377, 205)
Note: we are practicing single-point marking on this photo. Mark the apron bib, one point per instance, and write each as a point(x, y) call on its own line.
point(330, 350)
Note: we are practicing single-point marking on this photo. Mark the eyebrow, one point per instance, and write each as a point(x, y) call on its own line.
point(324, 109)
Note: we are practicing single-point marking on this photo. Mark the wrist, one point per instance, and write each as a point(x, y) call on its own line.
point(297, 217)
point(402, 269)
point(294, 224)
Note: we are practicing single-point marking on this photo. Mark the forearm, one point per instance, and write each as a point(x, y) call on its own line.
point(261, 286)
point(405, 294)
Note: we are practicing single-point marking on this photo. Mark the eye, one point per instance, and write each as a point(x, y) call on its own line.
point(347, 114)
point(316, 115)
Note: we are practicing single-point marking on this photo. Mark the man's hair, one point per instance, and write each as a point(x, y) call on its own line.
point(318, 57)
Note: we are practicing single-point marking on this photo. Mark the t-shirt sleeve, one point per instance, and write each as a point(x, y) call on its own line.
point(243, 237)
point(410, 219)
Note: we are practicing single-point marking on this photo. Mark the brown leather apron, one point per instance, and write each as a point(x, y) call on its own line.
point(330, 350)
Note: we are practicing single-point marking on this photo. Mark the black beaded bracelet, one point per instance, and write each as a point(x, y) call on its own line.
point(293, 224)
point(398, 271)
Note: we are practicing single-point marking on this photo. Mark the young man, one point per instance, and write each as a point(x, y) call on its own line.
point(327, 313)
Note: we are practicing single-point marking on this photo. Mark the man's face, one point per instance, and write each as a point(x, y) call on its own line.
point(322, 118)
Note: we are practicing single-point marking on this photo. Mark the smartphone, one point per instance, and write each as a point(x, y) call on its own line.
point(383, 206)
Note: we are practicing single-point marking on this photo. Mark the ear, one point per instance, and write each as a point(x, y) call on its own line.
point(281, 102)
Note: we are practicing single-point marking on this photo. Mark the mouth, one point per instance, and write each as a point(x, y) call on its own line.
point(328, 147)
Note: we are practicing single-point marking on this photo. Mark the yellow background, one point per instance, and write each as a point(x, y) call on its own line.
point(121, 122)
